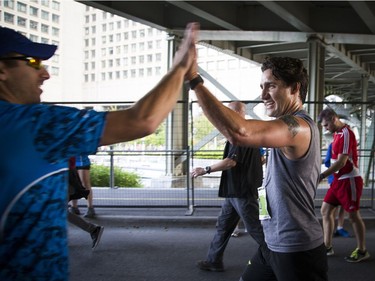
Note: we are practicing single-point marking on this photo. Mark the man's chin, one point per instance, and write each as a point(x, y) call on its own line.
point(35, 101)
point(271, 113)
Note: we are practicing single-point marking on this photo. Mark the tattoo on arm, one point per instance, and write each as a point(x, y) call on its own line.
point(292, 123)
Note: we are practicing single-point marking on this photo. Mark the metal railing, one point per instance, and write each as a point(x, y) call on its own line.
point(163, 190)
point(165, 172)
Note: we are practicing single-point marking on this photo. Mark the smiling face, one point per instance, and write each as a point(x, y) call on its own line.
point(278, 98)
point(21, 83)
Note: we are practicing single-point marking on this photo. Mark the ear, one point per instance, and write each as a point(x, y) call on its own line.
point(296, 88)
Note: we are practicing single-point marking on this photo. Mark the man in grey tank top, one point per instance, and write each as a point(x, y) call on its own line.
point(293, 234)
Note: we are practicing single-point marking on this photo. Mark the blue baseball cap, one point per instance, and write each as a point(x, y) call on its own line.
point(12, 41)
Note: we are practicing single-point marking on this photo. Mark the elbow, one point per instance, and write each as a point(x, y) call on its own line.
point(238, 136)
point(234, 140)
point(342, 165)
point(148, 126)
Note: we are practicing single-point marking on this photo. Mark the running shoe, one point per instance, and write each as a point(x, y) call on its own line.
point(210, 266)
point(330, 251)
point(96, 235)
point(341, 232)
point(74, 210)
point(358, 256)
point(90, 213)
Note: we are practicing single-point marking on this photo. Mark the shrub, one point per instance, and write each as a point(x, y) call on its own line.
point(209, 155)
point(100, 177)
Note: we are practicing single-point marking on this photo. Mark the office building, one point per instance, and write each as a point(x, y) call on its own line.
point(105, 57)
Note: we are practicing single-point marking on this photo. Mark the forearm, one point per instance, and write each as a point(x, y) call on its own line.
point(223, 118)
point(222, 165)
point(144, 117)
point(332, 169)
point(238, 130)
point(160, 101)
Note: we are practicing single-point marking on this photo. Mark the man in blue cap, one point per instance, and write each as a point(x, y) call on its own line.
point(36, 141)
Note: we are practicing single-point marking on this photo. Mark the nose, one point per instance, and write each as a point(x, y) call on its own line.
point(44, 73)
point(264, 94)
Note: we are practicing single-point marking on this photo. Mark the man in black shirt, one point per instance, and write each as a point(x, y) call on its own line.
point(241, 175)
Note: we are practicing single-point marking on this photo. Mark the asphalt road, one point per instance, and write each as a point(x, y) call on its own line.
point(164, 245)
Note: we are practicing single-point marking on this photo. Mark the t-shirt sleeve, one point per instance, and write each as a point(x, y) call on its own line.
point(340, 144)
point(61, 131)
point(234, 153)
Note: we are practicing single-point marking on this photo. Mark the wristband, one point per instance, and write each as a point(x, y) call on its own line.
point(195, 81)
point(208, 169)
point(321, 176)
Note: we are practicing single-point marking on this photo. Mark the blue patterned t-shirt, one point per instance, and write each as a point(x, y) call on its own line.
point(36, 142)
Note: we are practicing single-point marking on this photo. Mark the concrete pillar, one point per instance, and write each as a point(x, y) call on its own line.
point(363, 162)
point(176, 124)
point(315, 68)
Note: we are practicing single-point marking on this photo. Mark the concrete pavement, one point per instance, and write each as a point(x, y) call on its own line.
point(164, 245)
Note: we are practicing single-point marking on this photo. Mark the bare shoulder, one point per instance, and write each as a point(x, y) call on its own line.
point(300, 136)
point(292, 123)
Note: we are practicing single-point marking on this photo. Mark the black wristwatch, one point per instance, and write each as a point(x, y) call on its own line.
point(208, 169)
point(195, 81)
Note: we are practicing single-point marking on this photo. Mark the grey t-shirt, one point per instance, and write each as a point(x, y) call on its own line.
point(291, 188)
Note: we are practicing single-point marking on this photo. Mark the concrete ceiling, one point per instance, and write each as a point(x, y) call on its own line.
point(256, 29)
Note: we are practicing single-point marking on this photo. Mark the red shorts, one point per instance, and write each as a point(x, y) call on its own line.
point(345, 192)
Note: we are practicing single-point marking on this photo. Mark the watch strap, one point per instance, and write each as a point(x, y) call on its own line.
point(195, 81)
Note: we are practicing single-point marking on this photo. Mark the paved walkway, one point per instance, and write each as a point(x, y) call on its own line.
point(164, 245)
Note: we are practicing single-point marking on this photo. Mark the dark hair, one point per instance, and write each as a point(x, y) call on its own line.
point(327, 114)
point(289, 70)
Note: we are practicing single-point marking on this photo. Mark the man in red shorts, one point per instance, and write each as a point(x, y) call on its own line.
point(347, 185)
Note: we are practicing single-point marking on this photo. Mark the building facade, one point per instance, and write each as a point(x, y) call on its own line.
point(102, 57)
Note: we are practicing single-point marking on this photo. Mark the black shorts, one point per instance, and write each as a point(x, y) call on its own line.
point(309, 265)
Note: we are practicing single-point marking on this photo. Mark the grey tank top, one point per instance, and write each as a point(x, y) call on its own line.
point(291, 188)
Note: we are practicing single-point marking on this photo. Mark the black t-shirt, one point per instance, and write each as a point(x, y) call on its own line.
point(244, 179)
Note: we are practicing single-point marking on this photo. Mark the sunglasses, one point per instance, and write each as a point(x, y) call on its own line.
point(33, 62)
